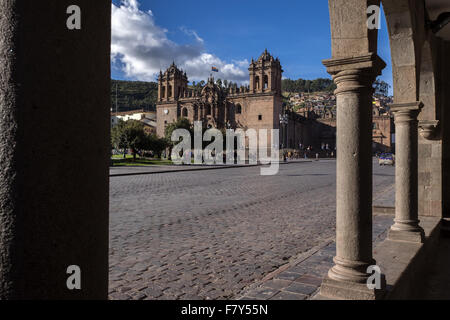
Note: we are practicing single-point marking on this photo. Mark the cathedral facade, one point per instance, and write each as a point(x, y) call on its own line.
point(256, 106)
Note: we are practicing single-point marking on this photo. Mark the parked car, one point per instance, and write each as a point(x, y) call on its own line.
point(386, 159)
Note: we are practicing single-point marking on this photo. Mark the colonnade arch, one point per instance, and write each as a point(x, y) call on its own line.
point(427, 82)
point(45, 230)
point(354, 66)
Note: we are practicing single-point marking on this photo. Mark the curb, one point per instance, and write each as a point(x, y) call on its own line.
point(181, 170)
point(197, 169)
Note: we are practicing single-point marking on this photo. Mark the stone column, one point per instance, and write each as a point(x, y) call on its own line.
point(261, 80)
point(167, 87)
point(406, 227)
point(54, 105)
point(252, 80)
point(354, 78)
point(159, 90)
point(445, 229)
point(269, 84)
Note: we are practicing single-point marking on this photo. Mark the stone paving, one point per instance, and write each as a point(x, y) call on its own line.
point(437, 280)
point(301, 279)
point(214, 234)
point(138, 170)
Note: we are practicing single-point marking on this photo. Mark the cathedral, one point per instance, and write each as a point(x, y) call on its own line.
point(256, 106)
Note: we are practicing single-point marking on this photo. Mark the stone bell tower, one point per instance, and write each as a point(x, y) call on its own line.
point(172, 84)
point(265, 74)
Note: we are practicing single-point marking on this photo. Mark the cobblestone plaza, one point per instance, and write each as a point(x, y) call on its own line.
point(213, 234)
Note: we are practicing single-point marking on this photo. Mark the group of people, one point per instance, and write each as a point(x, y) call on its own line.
point(310, 153)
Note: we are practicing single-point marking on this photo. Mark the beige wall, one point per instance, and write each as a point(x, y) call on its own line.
point(382, 134)
point(161, 117)
point(430, 179)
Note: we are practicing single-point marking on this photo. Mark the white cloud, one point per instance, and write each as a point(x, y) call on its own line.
point(141, 49)
point(192, 33)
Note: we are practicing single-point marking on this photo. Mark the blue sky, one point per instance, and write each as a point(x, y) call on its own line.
point(148, 35)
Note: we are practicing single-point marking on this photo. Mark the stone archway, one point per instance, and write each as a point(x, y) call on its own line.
point(49, 222)
point(353, 66)
point(427, 84)
point(405, 50)
point(430, 143)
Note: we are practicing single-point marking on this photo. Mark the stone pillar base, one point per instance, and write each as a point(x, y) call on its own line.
point(417, 236)
point(343, 290)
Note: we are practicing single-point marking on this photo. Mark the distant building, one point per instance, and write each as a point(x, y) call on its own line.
point(256, 106)
point(318, 117)
point(147, 118)
point(382, 131)
point(259, 106)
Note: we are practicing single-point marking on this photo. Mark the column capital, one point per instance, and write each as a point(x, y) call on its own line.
point(404, 112)
point(430, 129)
point(370, 61)
point(354, 74)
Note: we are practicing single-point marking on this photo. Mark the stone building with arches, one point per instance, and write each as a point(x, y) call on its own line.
point(54, 207)
point(256, 106)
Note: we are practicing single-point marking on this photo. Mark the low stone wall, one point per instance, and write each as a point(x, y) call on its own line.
point(405, 264)
point(383, 210)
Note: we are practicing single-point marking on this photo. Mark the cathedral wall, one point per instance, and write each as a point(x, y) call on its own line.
point(190, 111)
point(260, 112)
point(165, 113)
point(240, 119)
point(263, 113)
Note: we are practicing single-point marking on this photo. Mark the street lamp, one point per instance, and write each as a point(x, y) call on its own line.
point(284, 120)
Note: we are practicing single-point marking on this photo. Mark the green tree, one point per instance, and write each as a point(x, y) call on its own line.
point(133, 95)
point(135, 136)
point(129, 135)
point(301, 85)
point(154, 143)
point(181, 123)
point(118, 139)
point(159, 145)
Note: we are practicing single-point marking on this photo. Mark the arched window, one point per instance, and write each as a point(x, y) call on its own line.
point(238, 109)
point(184, 113)
point(208, 110)
point(257, 82)
point(163, 92)
point(170, 92)
point(266, 82)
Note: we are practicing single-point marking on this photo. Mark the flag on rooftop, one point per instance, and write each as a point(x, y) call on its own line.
point(214, 69)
